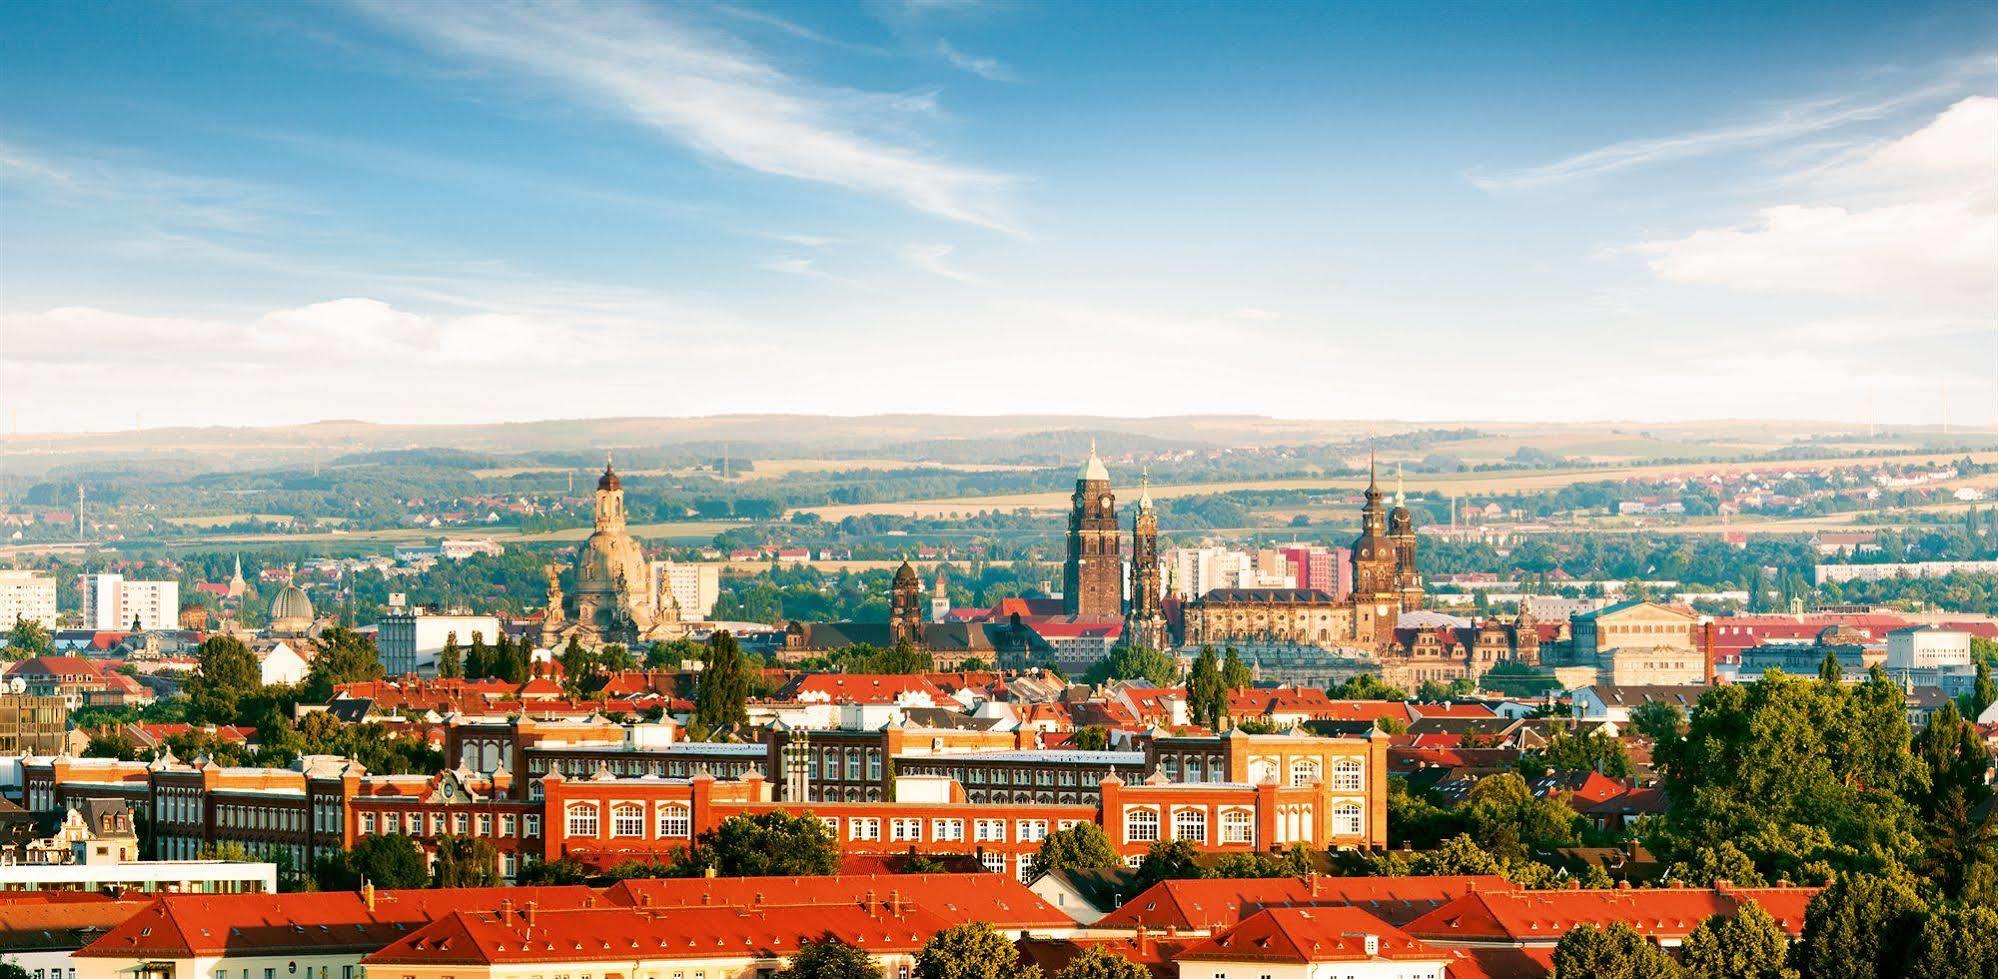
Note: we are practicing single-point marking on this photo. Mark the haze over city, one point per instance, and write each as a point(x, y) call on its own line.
point(421, 213)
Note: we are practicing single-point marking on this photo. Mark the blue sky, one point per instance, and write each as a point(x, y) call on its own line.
point(439, 212)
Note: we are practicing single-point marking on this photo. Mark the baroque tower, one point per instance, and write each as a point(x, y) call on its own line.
point(1092, 584)
point(1145, 624)
point(1376, 586)
point(905, 607)
point(1401, 531)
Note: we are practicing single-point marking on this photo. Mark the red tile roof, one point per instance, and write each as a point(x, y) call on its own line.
point(1209, 904)
point(1542, 917)
point(190, 925)
point(1305, 935)
point(861, 688)
point(490, 937)
point(996, 899)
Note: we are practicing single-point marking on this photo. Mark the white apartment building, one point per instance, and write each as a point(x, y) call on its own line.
point(1925, 647)
point(1195, 571)
point(111, 603)
point(408, 642)
point(27, 596)
point(695, 587)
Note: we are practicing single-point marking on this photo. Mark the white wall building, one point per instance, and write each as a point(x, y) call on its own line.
point(409, 642)
point(111, 602)
point(28, 596)
point(1925, 647)
point(695, 587)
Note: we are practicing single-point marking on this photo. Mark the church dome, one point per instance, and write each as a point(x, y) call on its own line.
point(291, 610)
point(609, 480)
point(906, 575)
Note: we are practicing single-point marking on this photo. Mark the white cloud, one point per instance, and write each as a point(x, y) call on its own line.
point(990, 69)
point(932, 258)
point(1925, 230)
point(712, 92)
point(161, 196)
point(1784, 124)
point(1255, 313)
point(806, 267)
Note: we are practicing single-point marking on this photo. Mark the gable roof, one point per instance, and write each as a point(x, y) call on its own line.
point(190, 925)
point(1210, 904)
point(1542, 917)
point(1316, 934)
point(490, 937)
point(996, 899)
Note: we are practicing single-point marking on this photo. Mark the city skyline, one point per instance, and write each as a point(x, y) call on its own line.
point(273, 215)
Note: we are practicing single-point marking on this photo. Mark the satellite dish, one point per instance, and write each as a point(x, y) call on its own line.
point(17, 684)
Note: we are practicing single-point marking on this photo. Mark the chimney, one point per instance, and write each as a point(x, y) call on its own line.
point(1144, 941)
point(1713, 675)
point(895, 902)
point(532, 907)
point(506, 910)
point(757, 901)
point(368, 895)
point(645, 900)
point(1311, 883)
point(870, 898)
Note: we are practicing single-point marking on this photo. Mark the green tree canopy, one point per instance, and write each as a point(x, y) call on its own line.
point(1859, 926)
point(1235, 674)
point(1616, 952)
point(388, 862)
point(228, 674)
point(1167, 860)
point(1956, 943)
point(1097, 963)
point(1366, 686)
point(344, 656)
point(721, 698)
point(467, 861)
point(1153, 666)
point(1083, 846)
point(829, 958)
point(972, 951)
point(768, 844)
point(1206, 694)
point(1746, 945)
point(27, 640)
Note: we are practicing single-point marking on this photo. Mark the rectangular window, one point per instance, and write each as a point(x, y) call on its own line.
point(863, 829)
point(506, 824)
point(1031, 830)
point(531, 825)
point(905, 830)
point(485, 824)
point(437, 824)
point(947, 830)
point(458, 823)
point(367, 823)
point(994, 862)
point(989, 831)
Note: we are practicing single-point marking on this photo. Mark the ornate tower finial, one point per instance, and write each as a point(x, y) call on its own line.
point(1399, 498)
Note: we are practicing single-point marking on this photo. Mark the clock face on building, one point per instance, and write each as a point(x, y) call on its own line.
point(1106, 501)
point(1380, 610)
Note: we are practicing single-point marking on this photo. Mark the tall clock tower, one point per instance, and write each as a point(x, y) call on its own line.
point(1092, 582)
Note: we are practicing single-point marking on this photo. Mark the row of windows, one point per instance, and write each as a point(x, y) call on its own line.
point(460, 824)
point(1141, 825)
point(858, 764)
point(627, 820)
point(259, 817)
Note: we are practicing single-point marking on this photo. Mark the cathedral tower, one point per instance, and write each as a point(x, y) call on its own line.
point(1376, 588)
point(1145, 625)
point(1401, 531)
point(905, 607)
point(1092, 581)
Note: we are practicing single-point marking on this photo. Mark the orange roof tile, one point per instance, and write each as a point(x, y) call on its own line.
point(1306, 935)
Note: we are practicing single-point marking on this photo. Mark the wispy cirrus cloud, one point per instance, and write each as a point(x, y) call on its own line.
point(162, 196)
point(990, 69)
point(934, 259)
point(1785, 123)
point(710, 91)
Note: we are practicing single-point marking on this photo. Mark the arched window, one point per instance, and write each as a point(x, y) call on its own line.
point(1141, 825)
point(853, 764)
point(1238, 826)
point(1303, 771)
point(628, 820)
point(675, 822)
point(1190, 824)
point(583, 820)
point(1346, 820)
point(1194, 771)
point(1347, 775)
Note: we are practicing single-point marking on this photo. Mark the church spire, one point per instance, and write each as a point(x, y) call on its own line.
point(1400, 499)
